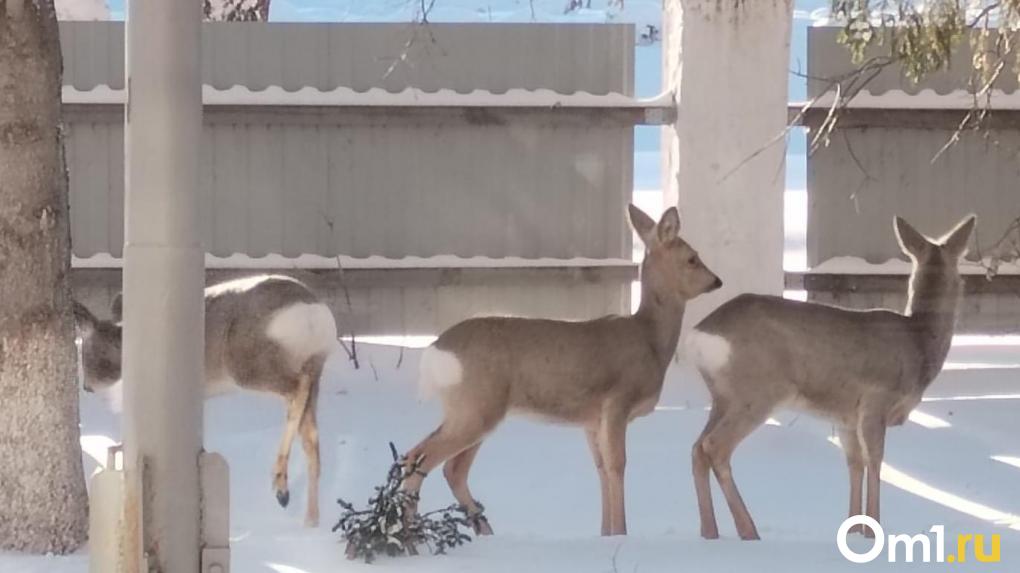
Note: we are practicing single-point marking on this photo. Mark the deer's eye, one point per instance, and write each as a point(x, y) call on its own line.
point(693, 260)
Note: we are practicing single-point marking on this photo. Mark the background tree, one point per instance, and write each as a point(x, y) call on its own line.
point(43, 503)
point(920, 39)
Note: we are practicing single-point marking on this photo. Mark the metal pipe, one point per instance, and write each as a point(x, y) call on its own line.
point(163, 283)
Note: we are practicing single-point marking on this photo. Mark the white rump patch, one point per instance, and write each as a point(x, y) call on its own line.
point(437, 370)
point(709, 352)
point(304, 330)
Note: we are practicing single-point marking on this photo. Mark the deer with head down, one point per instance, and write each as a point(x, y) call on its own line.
point(864, 370)
point(266, 333)
point(598, 374)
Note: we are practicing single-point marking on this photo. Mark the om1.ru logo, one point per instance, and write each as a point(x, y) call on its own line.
point(910, 544)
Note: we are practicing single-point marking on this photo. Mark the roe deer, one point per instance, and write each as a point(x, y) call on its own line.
point(864, 370)
point(598, 374)
point(266, 333)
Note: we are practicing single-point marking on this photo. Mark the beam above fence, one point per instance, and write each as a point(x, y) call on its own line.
point(479, 106)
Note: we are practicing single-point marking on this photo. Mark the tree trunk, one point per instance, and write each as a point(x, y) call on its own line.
point(43, 503)
point(728, 64)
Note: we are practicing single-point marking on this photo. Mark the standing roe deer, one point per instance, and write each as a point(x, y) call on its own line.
point(266, 333)
point(864, 370)
point(598, 374)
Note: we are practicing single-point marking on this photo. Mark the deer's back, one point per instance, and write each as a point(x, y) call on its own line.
point(820, 357)
point(261, 331)
point(559, 370)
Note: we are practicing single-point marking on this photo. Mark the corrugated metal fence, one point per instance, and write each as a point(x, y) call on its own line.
point(882, 162)
point(327, 181)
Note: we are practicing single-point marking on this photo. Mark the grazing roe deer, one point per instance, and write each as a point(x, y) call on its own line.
point(598, 374)
point(864, 370)
point(266, 333)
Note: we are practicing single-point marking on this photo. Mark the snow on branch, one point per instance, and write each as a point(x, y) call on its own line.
point(236, 10)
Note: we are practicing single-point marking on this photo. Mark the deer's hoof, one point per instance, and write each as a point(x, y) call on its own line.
point(481, 526)
point(753, 536)
point(710, 534)
point(283, 497)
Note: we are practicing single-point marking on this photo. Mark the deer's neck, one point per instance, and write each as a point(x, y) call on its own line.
point(932, 305)
point(663, 317)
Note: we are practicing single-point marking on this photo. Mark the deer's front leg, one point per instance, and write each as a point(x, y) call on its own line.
point(872, 435)
point(600, 466)
point(855, 464)
point(613, 445)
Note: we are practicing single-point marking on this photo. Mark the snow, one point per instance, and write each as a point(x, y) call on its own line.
point(927, 98)
point(952, 464)
point(82, 10)
point(856, 265)
point(308, 262)
point(221, 9)
point(344, 96)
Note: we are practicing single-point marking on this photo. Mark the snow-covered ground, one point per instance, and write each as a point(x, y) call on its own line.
point(957, 464)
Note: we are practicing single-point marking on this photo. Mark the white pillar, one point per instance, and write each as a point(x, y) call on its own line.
point(728, 63)
point(163, 283)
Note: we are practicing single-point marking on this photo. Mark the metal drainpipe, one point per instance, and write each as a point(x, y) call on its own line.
point(163, 286)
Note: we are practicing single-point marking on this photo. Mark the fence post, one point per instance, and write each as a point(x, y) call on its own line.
point(723, 160)
point(163, 284)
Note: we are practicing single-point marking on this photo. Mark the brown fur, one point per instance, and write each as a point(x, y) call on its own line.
point(237, 314)
point(598, 374)
point(864, 370)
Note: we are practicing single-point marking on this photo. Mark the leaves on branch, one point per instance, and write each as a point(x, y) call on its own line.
point(385, 528)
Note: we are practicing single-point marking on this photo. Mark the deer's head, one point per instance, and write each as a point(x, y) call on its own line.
point(672, 269)
point(100, 346)
point(935, 282)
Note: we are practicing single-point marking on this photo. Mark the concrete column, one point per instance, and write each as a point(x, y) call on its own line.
point(163, 283)
point(728, 63)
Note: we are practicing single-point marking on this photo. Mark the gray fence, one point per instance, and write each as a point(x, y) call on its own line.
point(392, 182)
point(882, 162)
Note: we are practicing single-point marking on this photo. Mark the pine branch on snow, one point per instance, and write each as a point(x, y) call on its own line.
point(384, 529)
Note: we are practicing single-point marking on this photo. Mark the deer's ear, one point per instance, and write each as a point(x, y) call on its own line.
point(643, 224)
point(956, 241)
point(669, 225)
point(117, 307)
point(84, 321)
point(912, 243)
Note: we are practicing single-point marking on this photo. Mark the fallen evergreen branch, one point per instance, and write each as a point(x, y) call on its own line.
point(383, 528)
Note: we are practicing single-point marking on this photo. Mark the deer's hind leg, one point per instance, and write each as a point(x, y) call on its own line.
point(296, 404)
point(735, 423)
point(456, 472)
point(309, 428)
point(701, 467)
point(465, 424)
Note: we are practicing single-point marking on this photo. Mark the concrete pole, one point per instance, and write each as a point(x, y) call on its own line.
point(163, 284)
point(728, 64)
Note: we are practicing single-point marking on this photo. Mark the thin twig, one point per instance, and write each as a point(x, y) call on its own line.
point(352, 351)
point(983, 14)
